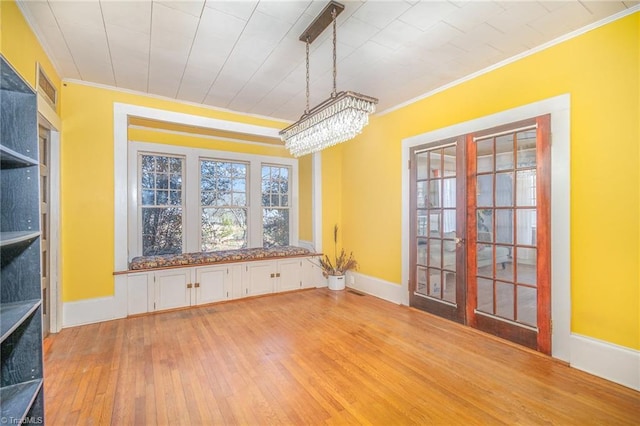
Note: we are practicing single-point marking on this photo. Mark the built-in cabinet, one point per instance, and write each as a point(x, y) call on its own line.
point(197, 285)
point(21, 379)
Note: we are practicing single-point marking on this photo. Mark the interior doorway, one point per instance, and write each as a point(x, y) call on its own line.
point(44, 136)
point(480, 231)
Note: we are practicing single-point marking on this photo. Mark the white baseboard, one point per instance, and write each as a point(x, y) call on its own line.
point(99, 309)
point(607, 360)
point(386, 290)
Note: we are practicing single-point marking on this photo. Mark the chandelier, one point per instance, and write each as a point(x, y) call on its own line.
point(337, 119)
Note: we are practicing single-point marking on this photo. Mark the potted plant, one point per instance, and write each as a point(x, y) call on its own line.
point(335, 270)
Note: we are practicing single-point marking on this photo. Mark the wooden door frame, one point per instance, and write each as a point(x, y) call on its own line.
point(560, 109)
point(539, 339)
point(443, 309)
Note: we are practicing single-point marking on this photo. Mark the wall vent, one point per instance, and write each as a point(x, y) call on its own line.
point(47, 88)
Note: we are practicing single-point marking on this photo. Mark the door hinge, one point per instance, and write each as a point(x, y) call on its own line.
point(551, 326)
point(227, 295)
point(154, 306)
point(246, 291)
point(300, 283)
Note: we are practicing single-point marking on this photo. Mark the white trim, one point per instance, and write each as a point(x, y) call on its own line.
point(99, 309)
point(607, 360)
point(49, 120)
point(558, 107)
point(178, 101)
point(55, 267)
point(391, 292)
point(48, 113)
point(515, 58)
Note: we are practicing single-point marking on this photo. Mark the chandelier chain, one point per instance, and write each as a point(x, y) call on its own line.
point(335, 72)
point(306, 111)
point(337, 119)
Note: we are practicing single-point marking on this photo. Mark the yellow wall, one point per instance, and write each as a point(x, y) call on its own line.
point(305, 201)
point(20, 46)
point(601, 72)
point(87, 185)
point(332, 184)
point(362, 178)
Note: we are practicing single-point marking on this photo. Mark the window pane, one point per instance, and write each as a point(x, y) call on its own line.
point(421, 165)
point(223, 184)
point(162, 230)
point(484, 191)
point(504, 152)
point(161, 208)
point(275, 194)
point(275, 225)
point(224, 228)
point(504, 189)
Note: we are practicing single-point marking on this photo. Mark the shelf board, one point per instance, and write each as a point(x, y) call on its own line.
point(17, 399)
point(13, 314)
point(10, 159)
point(10, 238)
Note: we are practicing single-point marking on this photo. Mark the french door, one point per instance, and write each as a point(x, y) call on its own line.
point(490, 268)
point(437, 249)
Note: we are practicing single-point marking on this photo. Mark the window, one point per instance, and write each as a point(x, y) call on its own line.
point(275, 205)
point(223, 199)
point(184, 200)
point(161, 204)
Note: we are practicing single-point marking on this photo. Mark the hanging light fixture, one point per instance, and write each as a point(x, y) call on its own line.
point(337, 119)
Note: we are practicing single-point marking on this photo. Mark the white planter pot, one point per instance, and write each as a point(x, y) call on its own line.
point(336, 282)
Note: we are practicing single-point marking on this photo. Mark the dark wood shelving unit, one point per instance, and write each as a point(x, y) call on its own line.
point(21, 378)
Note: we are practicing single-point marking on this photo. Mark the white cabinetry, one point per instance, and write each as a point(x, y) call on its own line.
point(172, 289)
point(259, 279)
point(289, 275)
point(212, 284)
point(189, 286)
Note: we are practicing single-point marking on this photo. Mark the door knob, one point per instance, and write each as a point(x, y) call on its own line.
point(459, 241)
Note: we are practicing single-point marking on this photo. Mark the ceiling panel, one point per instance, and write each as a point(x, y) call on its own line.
point(246, 55)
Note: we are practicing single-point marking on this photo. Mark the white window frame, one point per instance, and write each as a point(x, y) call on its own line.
point(247, 191)
point(191, 192)
point(288, 207)
point(138, 159)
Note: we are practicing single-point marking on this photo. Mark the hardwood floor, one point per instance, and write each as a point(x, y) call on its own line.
point(313, 357)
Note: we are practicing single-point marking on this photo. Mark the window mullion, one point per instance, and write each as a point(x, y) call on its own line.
point(191, 199)
point(255, 204)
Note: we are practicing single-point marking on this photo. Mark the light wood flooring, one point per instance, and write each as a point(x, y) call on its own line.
point(313, 357)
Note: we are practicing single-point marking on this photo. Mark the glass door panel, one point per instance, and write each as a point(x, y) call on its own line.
point(436, 197)
point(504, 249)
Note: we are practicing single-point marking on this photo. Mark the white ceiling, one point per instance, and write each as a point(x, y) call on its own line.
point(246, 56)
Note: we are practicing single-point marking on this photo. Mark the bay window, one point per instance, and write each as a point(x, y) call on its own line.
point(188, 199)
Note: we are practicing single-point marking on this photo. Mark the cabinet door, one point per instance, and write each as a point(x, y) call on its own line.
point(171, 289)
point(259, 278)
point(289, 275)
point(211, 285)
point(312, 274)
point(137, 293)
